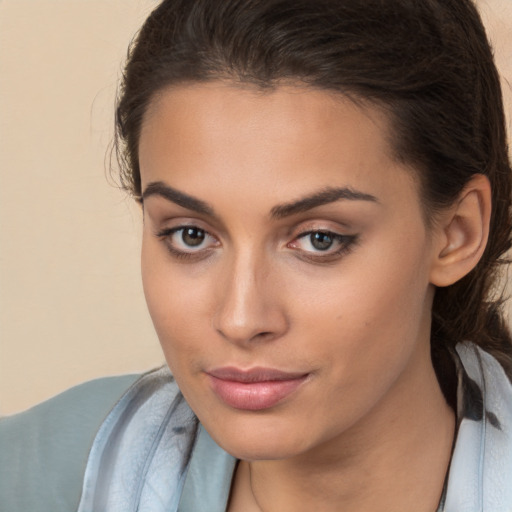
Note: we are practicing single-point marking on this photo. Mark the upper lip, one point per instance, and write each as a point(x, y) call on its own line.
point(256, 374)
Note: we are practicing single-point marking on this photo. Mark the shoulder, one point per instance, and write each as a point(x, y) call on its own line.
point(43, 451)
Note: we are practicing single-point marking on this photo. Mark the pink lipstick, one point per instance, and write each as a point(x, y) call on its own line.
point(254, 389)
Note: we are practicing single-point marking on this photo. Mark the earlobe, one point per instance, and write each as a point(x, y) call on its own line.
point(462, 233)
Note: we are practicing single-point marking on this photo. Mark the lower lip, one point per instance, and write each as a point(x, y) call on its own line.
point(254, 396)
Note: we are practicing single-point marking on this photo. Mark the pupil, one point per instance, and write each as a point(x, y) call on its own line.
point(193, 236)
point(321, 241)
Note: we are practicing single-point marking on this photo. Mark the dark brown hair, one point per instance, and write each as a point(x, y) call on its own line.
point(428, 63)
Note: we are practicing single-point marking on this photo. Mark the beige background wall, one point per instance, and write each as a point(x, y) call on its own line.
point(71, 303)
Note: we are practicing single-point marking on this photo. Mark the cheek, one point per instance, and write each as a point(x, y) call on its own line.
point(370, 312)
point(364, 331)
point(172, 303)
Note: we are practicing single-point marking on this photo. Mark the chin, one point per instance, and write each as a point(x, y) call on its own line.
point(263, 450)
point(260, 441)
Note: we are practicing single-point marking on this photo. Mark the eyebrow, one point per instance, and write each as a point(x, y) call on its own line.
point(158, 188)
point(325, 196)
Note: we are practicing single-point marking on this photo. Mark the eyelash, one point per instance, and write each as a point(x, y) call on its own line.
point(346, 244)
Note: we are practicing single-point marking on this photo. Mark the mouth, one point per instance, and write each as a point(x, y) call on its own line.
point(255, 389)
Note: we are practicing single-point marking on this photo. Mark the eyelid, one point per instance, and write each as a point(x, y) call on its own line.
point(164, 220)
point(335, 225)
point(160, 212)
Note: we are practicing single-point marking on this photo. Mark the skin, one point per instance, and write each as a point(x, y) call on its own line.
point(369, 420)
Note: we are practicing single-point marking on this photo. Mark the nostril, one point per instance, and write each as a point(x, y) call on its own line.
point(263, 335)
point(246, 337)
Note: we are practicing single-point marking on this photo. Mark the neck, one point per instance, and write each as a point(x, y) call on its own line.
point(395, 459)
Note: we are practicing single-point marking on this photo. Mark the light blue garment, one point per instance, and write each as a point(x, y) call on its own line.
point(150, 453)
point(144, 450)
point(44, 451)
point(480, 477)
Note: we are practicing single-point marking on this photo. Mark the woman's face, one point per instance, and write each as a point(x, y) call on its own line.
point(286, 265)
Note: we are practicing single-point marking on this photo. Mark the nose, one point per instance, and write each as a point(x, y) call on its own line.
point(249, 306)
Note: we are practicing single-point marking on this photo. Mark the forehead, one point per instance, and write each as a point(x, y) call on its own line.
point(296, 138)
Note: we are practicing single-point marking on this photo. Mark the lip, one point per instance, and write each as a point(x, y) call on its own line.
point(254, 389)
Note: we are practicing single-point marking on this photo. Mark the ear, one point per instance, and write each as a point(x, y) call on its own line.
point(461, 233)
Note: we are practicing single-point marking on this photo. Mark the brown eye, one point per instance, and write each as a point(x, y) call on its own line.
point(193, 237)
point(188, 241)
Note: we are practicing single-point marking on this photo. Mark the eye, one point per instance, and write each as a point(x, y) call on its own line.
point(322, 244)
point(185, 241)
point(190, 237)
point(321, 241)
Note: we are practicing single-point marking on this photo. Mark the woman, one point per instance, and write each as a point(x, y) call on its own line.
point(325, 190)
